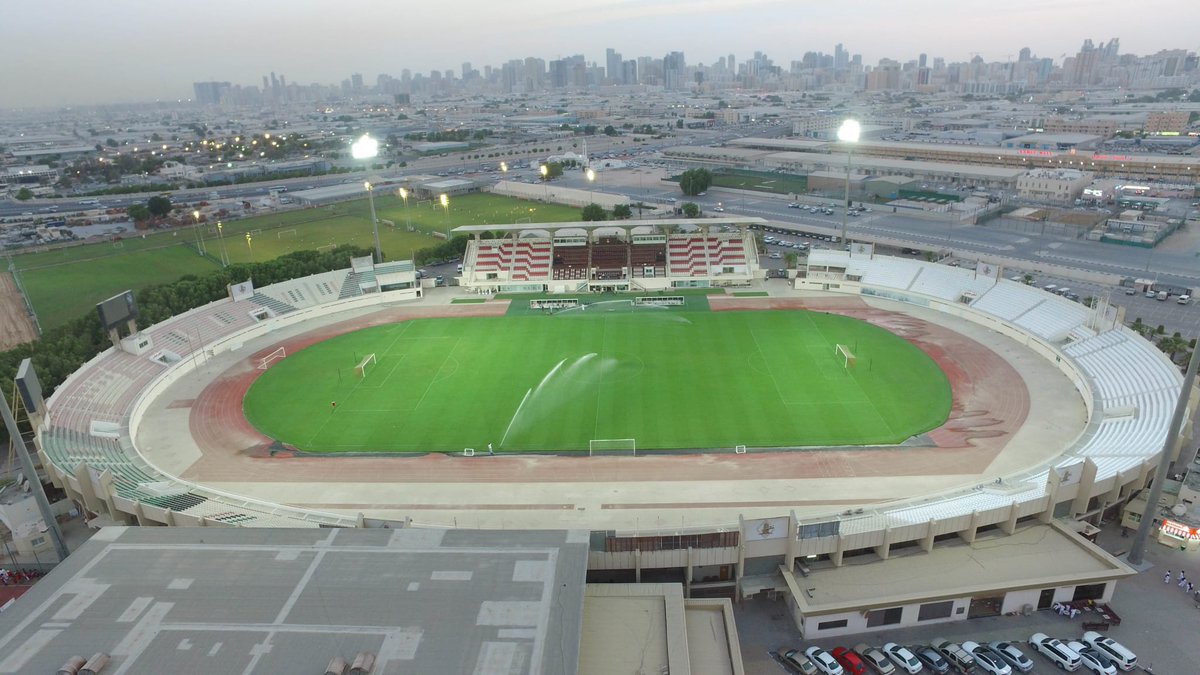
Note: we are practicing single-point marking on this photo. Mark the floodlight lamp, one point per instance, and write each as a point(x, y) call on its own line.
point(365, 147)
point(445, 200)
point(591, 174)
point(849, 131)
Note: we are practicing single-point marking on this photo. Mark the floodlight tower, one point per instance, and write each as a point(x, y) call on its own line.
point(848, 133)
point(368, 148)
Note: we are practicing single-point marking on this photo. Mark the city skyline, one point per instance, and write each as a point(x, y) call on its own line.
point(124, 51)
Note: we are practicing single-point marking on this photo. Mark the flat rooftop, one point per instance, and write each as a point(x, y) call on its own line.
point(1039, 556)
point(231, 600)
point(601, 224)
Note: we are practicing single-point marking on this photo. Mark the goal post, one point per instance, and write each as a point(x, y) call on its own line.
point(847, 356)
point(612, 446)
point(285, 233)
point(366, 365)
point(265, 362)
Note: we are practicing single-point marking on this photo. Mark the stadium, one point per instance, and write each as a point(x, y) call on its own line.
point(1052, 409)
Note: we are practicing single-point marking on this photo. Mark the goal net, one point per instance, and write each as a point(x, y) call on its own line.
point(365, 366)
point(266, 361)
point(612, 446)
point(848, 359)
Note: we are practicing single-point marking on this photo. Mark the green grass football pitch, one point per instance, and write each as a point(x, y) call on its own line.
point(668, 378)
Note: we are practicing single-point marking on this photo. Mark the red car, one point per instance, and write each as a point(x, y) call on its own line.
point(850, 661)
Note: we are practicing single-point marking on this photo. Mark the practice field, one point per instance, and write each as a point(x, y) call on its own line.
point(666, 377)
point(65, 283)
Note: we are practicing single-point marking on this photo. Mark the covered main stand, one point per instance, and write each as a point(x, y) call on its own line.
point(607, 256)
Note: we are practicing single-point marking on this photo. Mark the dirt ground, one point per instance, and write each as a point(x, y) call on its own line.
point(15, 325)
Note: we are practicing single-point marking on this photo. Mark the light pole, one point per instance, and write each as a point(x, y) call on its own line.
point(199, 239)
point(250, 245)
point(367, 148)
point(445, 201)
point(591, 176)
point(374, 221)
point(848, 133)
point(407, 218)
point(545, 170)
point(221, 236)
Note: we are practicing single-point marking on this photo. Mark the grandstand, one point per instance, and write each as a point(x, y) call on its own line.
point(1126, 387)
point(628, 255)
point(87, 435)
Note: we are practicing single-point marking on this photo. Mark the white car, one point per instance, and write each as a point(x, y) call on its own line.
point(1093, 660)
point(1063, 656)
point(903, 658)
point(1015, 657)
point(986, 659)
point(1115, 651)
point(824, 661)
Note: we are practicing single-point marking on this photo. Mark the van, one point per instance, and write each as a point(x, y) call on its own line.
point(1184, 299)
point(1162, 296)
point(460, 268)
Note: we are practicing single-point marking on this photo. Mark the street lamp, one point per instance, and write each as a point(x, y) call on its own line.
point(403, 192)
point(367, 148)
point(545, 170)
point(221, 236)
point(591, 176)
point(848, 133)
point(250, 245)
point(199, 238)
point(445, 201)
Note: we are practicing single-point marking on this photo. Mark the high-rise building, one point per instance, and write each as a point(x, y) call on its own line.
point(466, 70)
point(612, 66)
point(356, 82)
point(210, 93)
point(674, 75)
point(841, 57)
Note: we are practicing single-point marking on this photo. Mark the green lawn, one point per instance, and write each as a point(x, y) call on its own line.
point(667, 378)
point(777, 183)
point(64, 283)
point(66, 292)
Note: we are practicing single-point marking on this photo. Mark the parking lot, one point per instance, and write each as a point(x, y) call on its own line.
point(1159, 621)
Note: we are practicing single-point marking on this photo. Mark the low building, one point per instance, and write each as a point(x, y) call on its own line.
point(990, 574)
point(1058, 186)
point(1053, 142)
point(889, 187)
point(1174, 122)
point(233, 600)
point(37, 173)
point(835, 181)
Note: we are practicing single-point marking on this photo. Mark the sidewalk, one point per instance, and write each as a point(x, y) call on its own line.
point(1159, 621)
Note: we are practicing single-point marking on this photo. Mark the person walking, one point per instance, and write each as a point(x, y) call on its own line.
point(1167, 577)
point(1183, 582)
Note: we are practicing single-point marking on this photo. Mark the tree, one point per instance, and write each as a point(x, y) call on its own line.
point(622, 212)
point(553, 170)
point(593, 212)
point(139, 212)
point(679, 123)
point(24, 194)
point(110, 142)
point(695, 181)
point(790, 260)
point(639, 206)
point(610, 131)
point(690, 209)
point(159, 206)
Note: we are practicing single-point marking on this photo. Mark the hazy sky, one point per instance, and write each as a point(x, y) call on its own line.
point(72, 51)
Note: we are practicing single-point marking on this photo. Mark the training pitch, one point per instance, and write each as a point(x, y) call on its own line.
point(680, 377)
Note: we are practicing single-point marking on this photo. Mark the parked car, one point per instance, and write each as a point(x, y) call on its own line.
point(824, 661)
point(903, 658)
point(1061, 655)
point(801, 663)
point(954, 653)
point(873, 657)
point(850, 661)
point(987, 660)
point(1015, 657)
point(931, 659)
point(1093, 660)
point(1115, 651)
